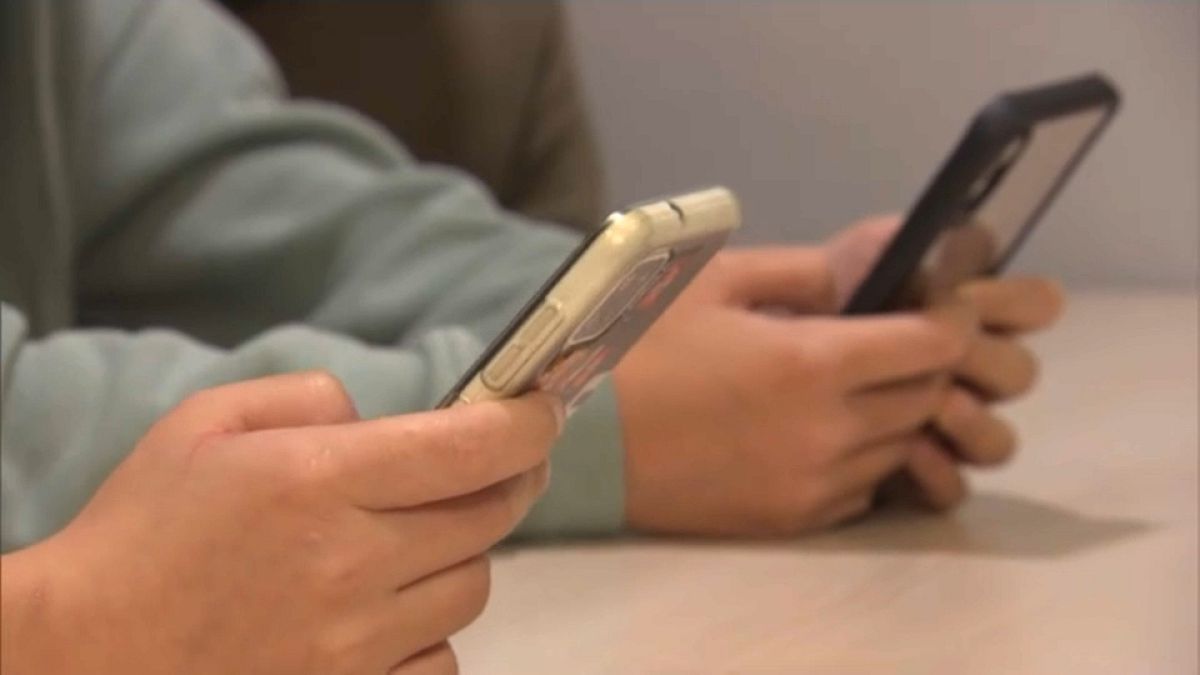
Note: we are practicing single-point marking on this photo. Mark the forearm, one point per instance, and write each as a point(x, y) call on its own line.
point(208, 202)
point(75, 402)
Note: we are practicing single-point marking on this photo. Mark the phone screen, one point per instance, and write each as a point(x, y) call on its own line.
point(1004, 201)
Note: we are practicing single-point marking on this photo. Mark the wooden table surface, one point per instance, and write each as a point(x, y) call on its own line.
point(1080, 557)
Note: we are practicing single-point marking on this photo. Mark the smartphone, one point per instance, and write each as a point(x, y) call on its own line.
point(601, 299)
point(988, 195)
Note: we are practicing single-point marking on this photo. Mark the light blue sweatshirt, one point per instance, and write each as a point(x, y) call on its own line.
point(170, 221)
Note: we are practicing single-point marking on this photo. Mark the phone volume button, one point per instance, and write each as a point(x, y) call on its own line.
point(501, 369)
point(522, 345)
point(544, 320)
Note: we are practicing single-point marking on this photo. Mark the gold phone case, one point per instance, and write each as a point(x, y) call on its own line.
point(602, 298)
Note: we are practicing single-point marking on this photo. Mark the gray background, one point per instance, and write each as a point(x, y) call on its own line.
point(820, 112)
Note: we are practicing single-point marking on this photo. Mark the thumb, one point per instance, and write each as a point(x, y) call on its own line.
point(855, 250)
point(795, 278)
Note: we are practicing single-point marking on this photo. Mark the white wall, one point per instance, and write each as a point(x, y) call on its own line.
point(819, 112)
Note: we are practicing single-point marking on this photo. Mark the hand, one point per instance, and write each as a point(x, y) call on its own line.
point(737, 421)
point(261, 527)
point(998, 367)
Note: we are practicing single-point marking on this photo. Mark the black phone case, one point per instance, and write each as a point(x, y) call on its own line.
point(1007, 118)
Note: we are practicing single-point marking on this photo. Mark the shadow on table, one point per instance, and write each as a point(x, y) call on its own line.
point(987, 525)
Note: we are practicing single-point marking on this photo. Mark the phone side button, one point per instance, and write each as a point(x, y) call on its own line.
point(542, 322)
point(501, 369)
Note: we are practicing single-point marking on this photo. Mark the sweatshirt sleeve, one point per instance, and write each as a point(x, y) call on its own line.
point(222, 232)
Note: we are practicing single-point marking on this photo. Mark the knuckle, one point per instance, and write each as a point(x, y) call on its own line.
point(335, 651)
point(307, 464)
point(824, 362)
point(326, 388)
point(820, 373)
point(339, 574)
point(789, 362)
point(198, 402)
point(208, 444)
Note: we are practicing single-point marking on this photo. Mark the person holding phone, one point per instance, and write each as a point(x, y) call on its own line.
point(171, 224)
point(537, 154)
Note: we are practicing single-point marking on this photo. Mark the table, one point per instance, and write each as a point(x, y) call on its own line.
point(1079, 557)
